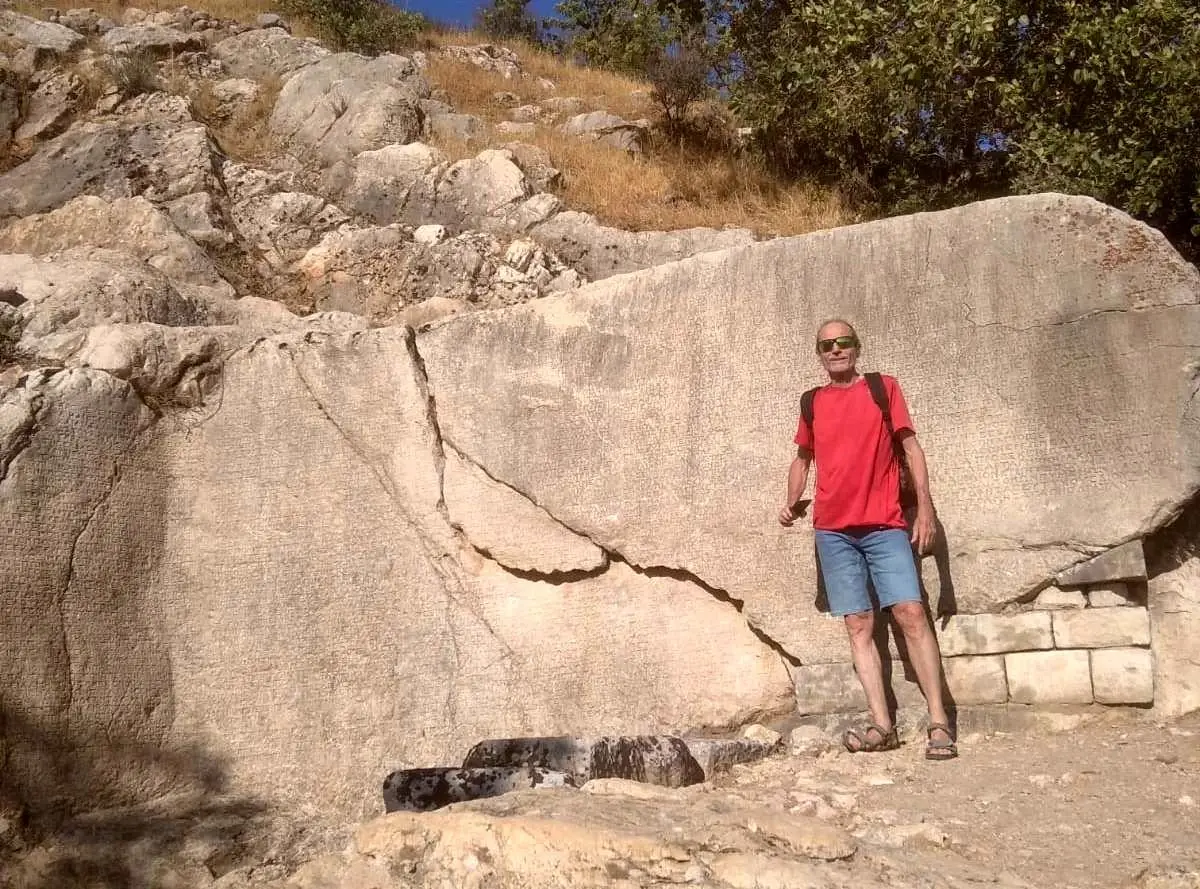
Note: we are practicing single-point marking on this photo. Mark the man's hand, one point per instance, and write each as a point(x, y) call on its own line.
point(923, 531)
point(789, 514)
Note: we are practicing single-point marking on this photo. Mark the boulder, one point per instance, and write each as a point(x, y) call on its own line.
point(86, 287)
point(1046, 288)
point(232, 95)
point(345, 104)
point(322, 447)
point(113, 158)
point(665, 761)
point(395, 183)
point(600, 251)
point(42, 37)
point(456, 127)
point(424, 790)
point(607, 129)
point(155, 41)
point(56, 96)
point(283, 225)
point(487, 56)
point(131, 225)
point(263, 54)
point(480, 191)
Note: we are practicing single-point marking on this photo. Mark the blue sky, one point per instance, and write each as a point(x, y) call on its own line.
point(462, 12)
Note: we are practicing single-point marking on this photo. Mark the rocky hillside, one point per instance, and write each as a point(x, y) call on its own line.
point(283, 511)
point(228, 161)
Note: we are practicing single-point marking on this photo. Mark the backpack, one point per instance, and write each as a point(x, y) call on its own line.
point(908, 490)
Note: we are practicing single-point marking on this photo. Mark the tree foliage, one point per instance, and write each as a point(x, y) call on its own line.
point(913, 104)
point(620, 35)
point(364, 26)
point(509, 19)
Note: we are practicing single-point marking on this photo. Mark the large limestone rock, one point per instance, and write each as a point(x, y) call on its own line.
point(277, 568)
point(84, 287)
point(653, 413)
point(160, 160)
point(43, 37)
point(158, 41)
point(345, 104)
point(132, 225)
point(600, 251)
point(261, 54)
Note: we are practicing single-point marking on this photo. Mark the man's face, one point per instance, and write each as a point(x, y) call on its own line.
point(837, 348)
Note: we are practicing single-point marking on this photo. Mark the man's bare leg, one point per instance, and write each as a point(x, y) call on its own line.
point(861, 628)
point(925, 656)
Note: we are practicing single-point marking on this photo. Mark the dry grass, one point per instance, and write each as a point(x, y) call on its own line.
point(598, 89)
point(671, 186)
point(243, 136)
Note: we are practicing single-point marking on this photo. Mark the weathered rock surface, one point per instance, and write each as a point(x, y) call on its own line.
point(488, 56)
point(663, 761)
point(344, 104)
point(85, 287)
point(152, 40)
point(48, 37)
point(131, 225)
point(492, 653)
point(600, 251)
point(424, 790)
point(56, 96)
point(262, 54)
point(608, 129)
point(665, 491)
point(113, 158)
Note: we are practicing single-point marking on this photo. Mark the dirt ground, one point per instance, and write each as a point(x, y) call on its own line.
point(1112, 802)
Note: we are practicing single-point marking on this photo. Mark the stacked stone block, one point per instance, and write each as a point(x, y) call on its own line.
point(1086, 640)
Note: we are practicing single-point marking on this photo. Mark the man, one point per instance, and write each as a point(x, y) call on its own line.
point(861, 530)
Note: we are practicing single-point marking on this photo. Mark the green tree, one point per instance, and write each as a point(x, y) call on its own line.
point(915, 104)
point(621, 35)
point(364, 26)
point(509, 19)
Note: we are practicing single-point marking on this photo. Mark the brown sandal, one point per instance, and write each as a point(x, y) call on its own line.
point(946, 749)
point(885, 739)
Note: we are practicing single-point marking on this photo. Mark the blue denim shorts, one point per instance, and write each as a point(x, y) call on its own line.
point(850, 558)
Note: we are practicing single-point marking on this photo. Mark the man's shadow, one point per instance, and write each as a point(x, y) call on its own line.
point(886, 626)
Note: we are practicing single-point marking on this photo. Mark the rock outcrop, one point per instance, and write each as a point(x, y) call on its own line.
point(286, 550)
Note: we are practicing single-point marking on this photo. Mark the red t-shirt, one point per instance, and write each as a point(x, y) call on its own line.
point(858, 479)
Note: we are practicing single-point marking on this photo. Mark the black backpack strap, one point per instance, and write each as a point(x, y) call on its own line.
point(806, 407)
point(880, 396)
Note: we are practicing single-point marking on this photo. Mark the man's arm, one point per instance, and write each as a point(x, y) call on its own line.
point(923, 524)
point(797, 481)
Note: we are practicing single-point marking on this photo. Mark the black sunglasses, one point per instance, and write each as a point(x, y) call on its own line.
point(841, 342)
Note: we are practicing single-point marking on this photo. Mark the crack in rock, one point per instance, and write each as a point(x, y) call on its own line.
point(441, 561)
point(1016, 328)
point(611, 556)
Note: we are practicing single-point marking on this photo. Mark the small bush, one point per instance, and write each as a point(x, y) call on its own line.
point(369, 27)
point(134, 75)
point(679, 81)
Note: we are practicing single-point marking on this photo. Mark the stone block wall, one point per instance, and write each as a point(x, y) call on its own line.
point(1083, 645)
